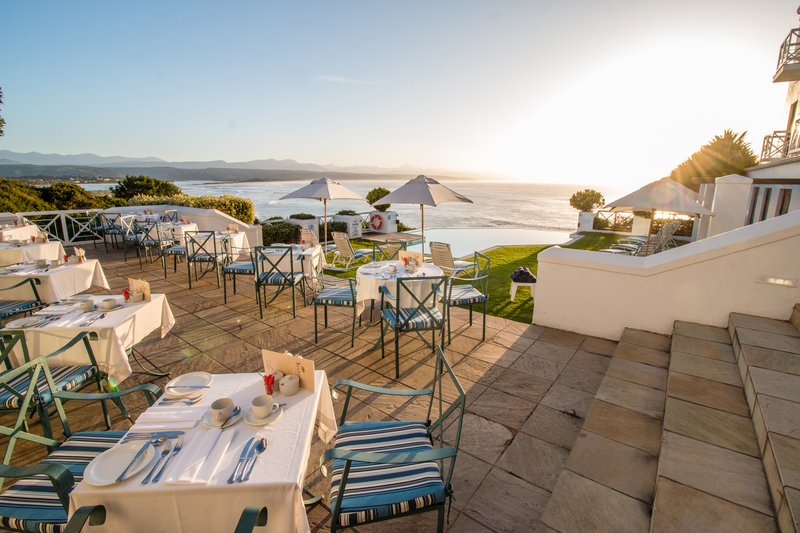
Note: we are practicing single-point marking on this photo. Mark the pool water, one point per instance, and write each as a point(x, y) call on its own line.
point(464, 241)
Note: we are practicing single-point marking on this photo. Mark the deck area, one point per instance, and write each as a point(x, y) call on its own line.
point(528, 388)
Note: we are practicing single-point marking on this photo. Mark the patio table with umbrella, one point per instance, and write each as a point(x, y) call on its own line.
point(324, 189)
point(664, 195)
point(424, 191)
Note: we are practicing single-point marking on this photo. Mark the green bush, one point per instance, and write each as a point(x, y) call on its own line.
point(131, 186)
point(586, 200)
point(65, 195)
point(332, 226)
point(275, 218)
point(280, 232)
point(239, 208)
point(347, 212)
point(376, 194)
point(302, 216)
point(403, 227)
point(16, 197)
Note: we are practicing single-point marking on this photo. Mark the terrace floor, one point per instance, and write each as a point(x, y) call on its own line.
point(528, 388)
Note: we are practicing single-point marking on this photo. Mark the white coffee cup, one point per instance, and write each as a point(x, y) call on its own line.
point(87, 305)
point(41, 263)
point(109, 303)
point(137, 296)
point(263, 406)
point(290, 385)
point(392, 268)
point(221, 409)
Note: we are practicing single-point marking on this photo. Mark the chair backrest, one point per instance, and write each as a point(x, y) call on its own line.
point(147, 231)
point(418, 297)
point(202, 242)
point(170, 215)
point(343, 246)
point(455, 408)
point(126, 224)
point(480, 274)
point(391, 249)
point(274, 260)
point(646, 249)
point(442, 256)
point(109, 220)
point(416, 256)
point(309, 236)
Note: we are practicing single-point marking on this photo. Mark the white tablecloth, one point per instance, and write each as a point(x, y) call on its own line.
point(119, 331)
point(57, 283)
point(178, 229)
point(19, 232)
point(237, 243)
point(372, 276)
point(277, 479)
point(309, 261)
point(10, 254)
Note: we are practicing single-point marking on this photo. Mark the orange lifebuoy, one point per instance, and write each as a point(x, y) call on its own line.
point(376, 221)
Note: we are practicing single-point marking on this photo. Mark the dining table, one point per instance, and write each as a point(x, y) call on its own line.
point(372, 276)
point(11, 253)
point(55, 282)
point(194, 493)
point(307, 260)
point(118, 330)
point(19, 232)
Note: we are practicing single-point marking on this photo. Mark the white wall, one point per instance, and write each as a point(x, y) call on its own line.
point(731, 202)
point(600, 294)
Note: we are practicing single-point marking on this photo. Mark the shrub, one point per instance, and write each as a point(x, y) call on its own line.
point(275, 218)
point(239, 208)
point(376, 194)
point(65, 195)
point(332, 226)
point(302, 216)
point(586, 200)
point(280, 232)
point(347, 212)
point(601, 223)
point(403, 227)
point(131, 186)
point(16, 197)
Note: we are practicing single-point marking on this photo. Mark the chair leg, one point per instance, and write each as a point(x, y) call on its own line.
point(294, 302)
point(258, 301)
point(234, 283)
point(164, 264)
point(470, 314)
point(397, 352)
point(433, 340)
point(440, 520)
point(483, 337)
point(316, 334)
point(189, 272)
point(383, 347)
point(104, 407)
point(326, 317)
point(449, 333)
point(353, 329)
point(225, 288)
point(44, 416)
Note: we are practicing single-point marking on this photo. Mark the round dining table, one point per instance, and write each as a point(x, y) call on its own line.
point(372, 276)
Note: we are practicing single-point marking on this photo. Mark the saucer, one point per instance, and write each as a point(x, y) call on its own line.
point(209, 422)
point(251, 420)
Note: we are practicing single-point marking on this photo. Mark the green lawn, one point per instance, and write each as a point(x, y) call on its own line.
point(505, 260)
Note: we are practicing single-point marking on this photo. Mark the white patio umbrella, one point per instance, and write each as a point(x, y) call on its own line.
point(324, 189)
point(424, 191)
point(662, 195)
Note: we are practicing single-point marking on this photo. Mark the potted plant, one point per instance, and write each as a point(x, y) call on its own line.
point(586, 201)
point(352, 220)
point(381, 220)
point(304, 220)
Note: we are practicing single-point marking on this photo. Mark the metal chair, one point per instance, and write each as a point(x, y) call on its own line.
point(236, 268)
point(109, 226)
point(39, 499)
point(251, 518)
point(470, 291)
point(387, 251)
point(442, 257)
point(175, 251)
point(389, 469)
point(12, 307)
point(170, 215)
point(152, 236)
point(413, 313)
point(271, 271)
point(345, 251)
point(337, 293)
point(203, 247)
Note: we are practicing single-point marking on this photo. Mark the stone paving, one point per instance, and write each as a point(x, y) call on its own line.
point(528, 388)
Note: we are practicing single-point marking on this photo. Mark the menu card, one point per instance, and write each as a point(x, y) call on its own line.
point(140, 285)
point(290, 364)
point(233, 228)
point(417, 256)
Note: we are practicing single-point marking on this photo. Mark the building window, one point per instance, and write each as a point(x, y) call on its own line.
point(784, 198)
point(751, 215)
point(765, 204)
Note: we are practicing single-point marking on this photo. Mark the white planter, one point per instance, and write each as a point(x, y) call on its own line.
point(585, 221)
point(309, 224)
point(382, 222)
point(641, 225)
point(353, 224)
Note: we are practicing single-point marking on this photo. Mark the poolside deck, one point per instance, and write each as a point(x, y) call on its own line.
point(528, 387)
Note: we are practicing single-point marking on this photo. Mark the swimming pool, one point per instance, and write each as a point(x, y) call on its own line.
point(464, 241)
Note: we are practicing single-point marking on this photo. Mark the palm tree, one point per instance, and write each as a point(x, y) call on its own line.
point(724, 154)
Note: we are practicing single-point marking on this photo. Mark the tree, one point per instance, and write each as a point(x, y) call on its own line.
point(724, 154)
point(376, 194)
point(132, 186)
point(586, 200)
point(2, 122)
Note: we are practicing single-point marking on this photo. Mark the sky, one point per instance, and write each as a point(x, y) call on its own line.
point(578, 91)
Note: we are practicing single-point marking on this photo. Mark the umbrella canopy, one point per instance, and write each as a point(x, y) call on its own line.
point(662, 195)
point(424, 191)
point(324, 189)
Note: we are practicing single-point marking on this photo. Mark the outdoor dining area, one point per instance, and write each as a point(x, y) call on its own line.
point(232, 377)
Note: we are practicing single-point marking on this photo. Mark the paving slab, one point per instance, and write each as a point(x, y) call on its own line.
point(713, 426)
point(553, 426)
point(554, 352)
point(771, 325)
point(703, 367)
point(710, 393)
point(776, 384)
point(646, 338)
point(502, 408)
point(780, 416)
point(771, 359)
point(788, 517)
point(495, 354)
point(701, 331)
point(590, 361)
point(650, 376)
point(482, 438)
point(642, 354)
point(766, 339)
point(522, 385)
point(534, 460)
point(625, 425)
point(539, 366)
point(580, 378)
point(467, 477)
point(562, 338)
point(598, 346)
point(506, 503)
point(787, 456)
point(705, 348)
point(568, 400)
point(632, 396)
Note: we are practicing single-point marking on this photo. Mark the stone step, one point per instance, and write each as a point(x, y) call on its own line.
point(768, 358)
point(795, 318)
point(710, 474)
point(609, 477)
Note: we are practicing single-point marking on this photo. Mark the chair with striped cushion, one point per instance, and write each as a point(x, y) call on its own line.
point(337, 293)
point(237, 268)
point(17, 306)
point(177, 250)
point(275, 267)
point(205, 248)
point(152, 237)
point(469, 291)
point(415, 307)
point(442, 257)
point(387, 469)
point(39, 500)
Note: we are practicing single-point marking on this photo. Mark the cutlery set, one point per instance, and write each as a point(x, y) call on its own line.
point(252, 449)
point(92, 320)
point(154, 439)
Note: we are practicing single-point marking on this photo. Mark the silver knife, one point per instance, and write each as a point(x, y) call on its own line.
point(175, 450)
point(124, 473)
point(241, 459)
point(152, 471)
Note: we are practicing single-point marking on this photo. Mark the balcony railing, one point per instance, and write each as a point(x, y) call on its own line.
point(75, 226)
point(775, 146)
point(788, 68)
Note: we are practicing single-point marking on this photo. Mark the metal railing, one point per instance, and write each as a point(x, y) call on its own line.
point(775, 146)
point(790, 49)
point(71, 227)
point(613, 221)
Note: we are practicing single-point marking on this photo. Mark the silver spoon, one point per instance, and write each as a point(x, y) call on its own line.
point(258, 448)
point(236, 411)
point(153, 443)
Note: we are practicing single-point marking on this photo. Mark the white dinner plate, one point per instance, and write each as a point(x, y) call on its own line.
point(209, 422)
point(192, 378)
point(24, 322)
point(79, 298)
point(251, 420)
point(106, 467)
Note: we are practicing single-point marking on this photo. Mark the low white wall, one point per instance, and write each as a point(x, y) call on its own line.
point(600, 294)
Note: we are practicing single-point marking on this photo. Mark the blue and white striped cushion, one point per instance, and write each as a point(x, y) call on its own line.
point(375, 491)
point(466, 295)
point(279, 278)
point(175, 250)
point(31, 504)
point(240, 267)
point(12, 307)
point(411, 318)
point(341, 296)
point(65, 378)
point(207, 258)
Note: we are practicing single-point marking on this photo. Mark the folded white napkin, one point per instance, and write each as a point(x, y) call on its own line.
point(163, 426)
point(201, 458)
point(172, 413)
point(57, 310)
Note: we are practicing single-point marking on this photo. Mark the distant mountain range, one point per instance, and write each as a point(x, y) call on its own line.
point(93, 165)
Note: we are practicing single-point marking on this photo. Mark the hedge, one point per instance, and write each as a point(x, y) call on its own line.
point(280, 232)
point(239, 208)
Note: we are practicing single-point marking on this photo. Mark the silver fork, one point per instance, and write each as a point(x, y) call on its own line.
point(175, 451)
point(165, 452)
point(170, 401)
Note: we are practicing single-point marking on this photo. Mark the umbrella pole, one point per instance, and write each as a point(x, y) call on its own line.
point(422, 213)
point(650, 226)
point(325, 219)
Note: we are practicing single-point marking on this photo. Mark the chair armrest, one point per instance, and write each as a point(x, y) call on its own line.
point(95, 514)
point(423, 456)
point(476, 278)
point(37, 281)
point(383, 289)
point(381, 390)
point(60, 476)
point(252, 517)
point(151, 393)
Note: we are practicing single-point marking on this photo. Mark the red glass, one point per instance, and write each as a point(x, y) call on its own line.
point(269, 383)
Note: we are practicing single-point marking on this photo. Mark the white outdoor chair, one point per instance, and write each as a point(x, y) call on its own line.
point(443, 258)
point(344, 250)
